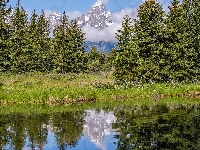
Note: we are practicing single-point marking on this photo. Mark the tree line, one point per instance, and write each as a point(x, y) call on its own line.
point(26, 46)
point(159, 47)
point(155, 47)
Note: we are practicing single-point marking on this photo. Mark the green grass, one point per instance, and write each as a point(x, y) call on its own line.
point(68, 89)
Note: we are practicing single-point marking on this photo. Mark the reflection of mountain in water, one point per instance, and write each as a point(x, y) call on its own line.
point(97, 126)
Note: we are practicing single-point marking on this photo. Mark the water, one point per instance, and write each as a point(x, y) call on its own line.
point(123, 128)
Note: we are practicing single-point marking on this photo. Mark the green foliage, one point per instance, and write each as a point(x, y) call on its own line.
point(19, 37)
point(68, 47)
point(110, 60)
point(5, 58)
point(192, 15)
point(39, 43)
point(96, 60)
point(125, 57)
point(178, 54)
point(159, 48)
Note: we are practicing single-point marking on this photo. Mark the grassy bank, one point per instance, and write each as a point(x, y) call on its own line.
point(67, 89)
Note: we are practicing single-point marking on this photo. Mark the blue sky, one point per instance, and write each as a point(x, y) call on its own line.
point(73, 5)
point(75, 8)
point(76, 5)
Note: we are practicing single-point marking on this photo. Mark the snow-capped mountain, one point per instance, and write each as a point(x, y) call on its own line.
point(97, 16)
point(54, 19)
point(97, 126)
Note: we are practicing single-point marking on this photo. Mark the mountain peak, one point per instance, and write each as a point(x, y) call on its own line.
point(97, 16)
point(54, 18)
point(98, 4)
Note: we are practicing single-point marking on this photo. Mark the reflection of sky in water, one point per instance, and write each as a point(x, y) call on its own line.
point(97, 134)
point(83, 144)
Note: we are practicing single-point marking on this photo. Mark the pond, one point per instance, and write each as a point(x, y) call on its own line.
point(122, 127)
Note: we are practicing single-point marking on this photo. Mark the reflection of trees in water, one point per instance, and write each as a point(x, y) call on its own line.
point(68, 128)
point(15, 128)
point(158, 128)
point(145, 128)
point(36, 130)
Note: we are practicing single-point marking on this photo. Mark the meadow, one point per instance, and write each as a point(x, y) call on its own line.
point(67, 89)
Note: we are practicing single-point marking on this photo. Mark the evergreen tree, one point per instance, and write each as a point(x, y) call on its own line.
point(110, 59)
point(68, 47)
point(192, 15)
point(19, 35)
point(60, 41)
point(178, 64)
point(5, 60)
point(96, 60)
point(149, 29)
point(76, 46)
point(32, 53)
point(39, 43)
point(126, 56)
point(140, 57)
point(44, 44)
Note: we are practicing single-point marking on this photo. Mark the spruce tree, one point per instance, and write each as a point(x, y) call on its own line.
point(39, 43)
point(68, 46)
point(62, 55)
point(19, 35)
point(5, 59)
point(126, 56)
point(33, 54)
point(149, 29)
point(44, 42)
point(110, 59)
point(178, 64)
point(96, 60)
point(76, 46)
point(192, 15)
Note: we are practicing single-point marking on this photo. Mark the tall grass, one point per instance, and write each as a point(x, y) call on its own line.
point(67, 89)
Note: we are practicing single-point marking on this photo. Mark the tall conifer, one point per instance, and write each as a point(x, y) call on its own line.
point(5, 59)
point(19, 37)
point(126, 56)
point(179, 65)
point(68, 46)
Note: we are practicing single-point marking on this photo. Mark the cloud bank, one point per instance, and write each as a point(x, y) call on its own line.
point(108, 33)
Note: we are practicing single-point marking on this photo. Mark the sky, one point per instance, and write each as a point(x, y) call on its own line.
point(75, 8)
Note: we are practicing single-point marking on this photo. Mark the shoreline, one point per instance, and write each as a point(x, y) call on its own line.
point(68, 89)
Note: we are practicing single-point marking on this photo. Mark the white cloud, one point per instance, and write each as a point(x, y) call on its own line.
point(47, 12)
point(74, 15)
point(108, 33)
point(103, 1)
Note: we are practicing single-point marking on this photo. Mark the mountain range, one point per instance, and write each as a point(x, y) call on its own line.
point(96, 17)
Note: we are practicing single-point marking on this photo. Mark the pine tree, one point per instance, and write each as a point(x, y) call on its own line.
point(192, 15)
point(126, 55)
point(69, 48)
point(39, 43)
point(179, 65)
point(19, 37)
point(96, 60)
point(5, 59)
point(76, 46)
point(44, 44)
point(149, 29)
point(110, 59)
point(62, 55)
point(32, 53)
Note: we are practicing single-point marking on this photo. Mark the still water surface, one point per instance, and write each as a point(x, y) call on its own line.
point(123, 128)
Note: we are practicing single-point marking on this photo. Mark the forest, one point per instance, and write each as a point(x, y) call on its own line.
point(155, 47)
point(157, 55)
